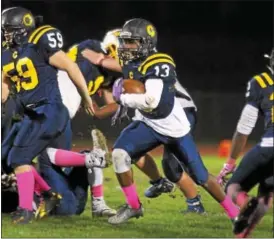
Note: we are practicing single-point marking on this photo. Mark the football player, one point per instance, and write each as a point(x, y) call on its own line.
point(159, 117)
point(95, 77)
point(256, 167)
point(31, 62)
point(146, 164)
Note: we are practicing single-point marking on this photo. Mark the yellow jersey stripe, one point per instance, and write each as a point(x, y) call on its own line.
point(260, 81)
point(36, 32)
point(157, 55)
point(37, 38)
point(268, 78)
point(151, 63)
point(73, 52)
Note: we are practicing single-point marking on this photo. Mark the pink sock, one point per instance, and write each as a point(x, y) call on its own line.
point(97, 191)
point(65, 158)
point(241, 198)
point(25, 186)
point(230, 208)
point(40, 183)
point(131, 196)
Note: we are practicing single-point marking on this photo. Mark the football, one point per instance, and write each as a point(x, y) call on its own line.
point(133, 87)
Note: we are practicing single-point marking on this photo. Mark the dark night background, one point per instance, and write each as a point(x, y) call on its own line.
point(217, 46)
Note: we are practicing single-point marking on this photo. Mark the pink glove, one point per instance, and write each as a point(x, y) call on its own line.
point(227, 169)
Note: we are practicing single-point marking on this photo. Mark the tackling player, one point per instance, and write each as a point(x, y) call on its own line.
point(31, 62)
point(159, 117)
point(256, 167)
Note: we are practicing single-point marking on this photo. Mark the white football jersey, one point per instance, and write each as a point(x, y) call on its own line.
point(185, 103)
point(175, 125)
point(69, 93)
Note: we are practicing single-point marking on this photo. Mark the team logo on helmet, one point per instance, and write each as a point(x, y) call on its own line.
point(15, 55)
point(130, 75)
point(150, 30)
point(27, 20)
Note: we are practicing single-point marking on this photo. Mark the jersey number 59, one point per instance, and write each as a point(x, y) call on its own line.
point(26, 70)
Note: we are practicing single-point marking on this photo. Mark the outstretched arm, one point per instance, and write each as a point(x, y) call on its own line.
point(102, 60)
point(5, 88)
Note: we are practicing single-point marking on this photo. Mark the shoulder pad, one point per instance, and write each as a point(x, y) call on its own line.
point(264, 80)
point(155, 59)
point(38, 33)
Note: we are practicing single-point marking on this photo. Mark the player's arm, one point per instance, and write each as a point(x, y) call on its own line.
point(50, 44)
point(107, 110)
point(5, 87)
point(61, 61)
point(244, 128)
point(147, 101)
point(102, 60)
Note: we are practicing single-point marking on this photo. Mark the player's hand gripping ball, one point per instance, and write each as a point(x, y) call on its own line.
point(122, 86)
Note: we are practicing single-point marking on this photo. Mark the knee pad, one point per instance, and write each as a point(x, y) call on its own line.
point(172, 169)
point(121, 161)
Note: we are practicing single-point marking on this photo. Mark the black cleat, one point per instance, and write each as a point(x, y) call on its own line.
point(157, 188)
point(49, 201)
point(22, 216)
point(243, 220)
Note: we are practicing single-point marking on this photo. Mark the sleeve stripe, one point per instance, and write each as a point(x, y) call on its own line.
point(268, 78)
point(73, 52)
point(260, 81)
point(34, 34)
point(157, 55)
point(156, 61)
point(37, 38)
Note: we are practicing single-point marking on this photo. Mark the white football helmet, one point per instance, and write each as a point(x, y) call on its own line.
point(111, 42)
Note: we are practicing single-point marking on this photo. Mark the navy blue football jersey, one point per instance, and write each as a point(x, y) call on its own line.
point(260, 94)
point(95, 76)
point(155, 66)
point(28, 66)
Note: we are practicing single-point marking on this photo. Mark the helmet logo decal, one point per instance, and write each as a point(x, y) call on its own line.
point(150, 30)
point(27, 20)
point(15, 55)
point(130, 75)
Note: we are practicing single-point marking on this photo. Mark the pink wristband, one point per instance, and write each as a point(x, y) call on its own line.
point(231, 161)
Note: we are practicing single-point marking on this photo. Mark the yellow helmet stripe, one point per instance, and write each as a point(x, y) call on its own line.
point(161, 60)
point(37, 38)
point(36, 32)
point(157, 55)
point(260, 81)
point(268, 78)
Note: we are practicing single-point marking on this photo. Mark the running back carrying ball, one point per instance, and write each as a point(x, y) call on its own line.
point(133, 87)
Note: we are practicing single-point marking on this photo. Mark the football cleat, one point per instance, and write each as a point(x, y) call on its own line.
point(125, 213)
point(242, 222)
point(194, 206)
point(157, 188)
point(100, 209)
point(100, 142)
point(48, 202)
point(22, 216)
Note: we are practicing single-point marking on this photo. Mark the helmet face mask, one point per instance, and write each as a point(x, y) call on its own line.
point(133, 48)
point(14, 36)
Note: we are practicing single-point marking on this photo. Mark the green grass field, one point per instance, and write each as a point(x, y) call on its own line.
point(162, 217)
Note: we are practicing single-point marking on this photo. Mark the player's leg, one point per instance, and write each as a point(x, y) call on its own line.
point(33, 136)
point(159, 184)
point(255, 209)
point(185, 150)
point(176, 172)
point(255, 167)
point(128, 146)
point(57, 179)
